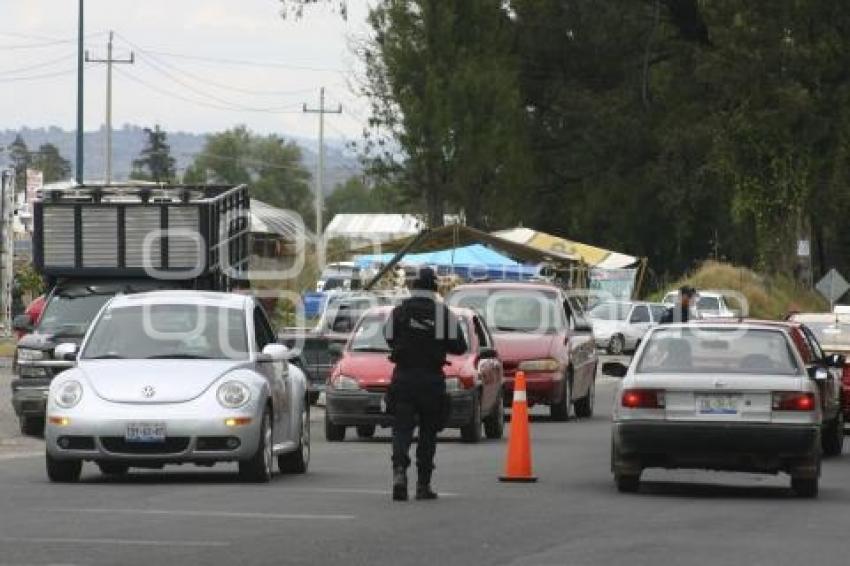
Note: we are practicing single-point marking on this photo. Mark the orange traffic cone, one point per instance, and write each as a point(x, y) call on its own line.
point(518, 465)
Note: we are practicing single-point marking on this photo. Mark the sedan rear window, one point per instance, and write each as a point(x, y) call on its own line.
point(718, 350)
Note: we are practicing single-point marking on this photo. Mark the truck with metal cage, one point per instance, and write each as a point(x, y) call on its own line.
point(93, 241)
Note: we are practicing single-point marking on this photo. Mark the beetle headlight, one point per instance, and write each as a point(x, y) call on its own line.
point(547, 364)
point(345, 383)
point(68, 394)
point(30, 355)
point(233, 394)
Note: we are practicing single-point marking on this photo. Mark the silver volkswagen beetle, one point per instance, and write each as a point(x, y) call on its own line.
point(178, 377)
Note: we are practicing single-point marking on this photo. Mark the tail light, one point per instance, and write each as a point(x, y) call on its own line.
point(845, 375)
point(643, 399)
point(793, 401)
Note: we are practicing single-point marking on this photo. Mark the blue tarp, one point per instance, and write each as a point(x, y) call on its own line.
point(470, 262)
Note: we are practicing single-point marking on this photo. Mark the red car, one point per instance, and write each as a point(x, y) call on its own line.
point(536, 331)
point(359, 381)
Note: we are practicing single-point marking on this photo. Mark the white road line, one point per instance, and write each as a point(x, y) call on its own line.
point(211, 514)
point(114, 541)
point(20, 455)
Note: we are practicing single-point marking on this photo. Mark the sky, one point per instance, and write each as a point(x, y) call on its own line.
point(200, 65)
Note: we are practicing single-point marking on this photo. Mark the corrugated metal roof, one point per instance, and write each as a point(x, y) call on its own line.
point(268, 219)
point(382, 226)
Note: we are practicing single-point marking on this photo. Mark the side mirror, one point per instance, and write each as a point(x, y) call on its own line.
point(22, 323)
point(335, 349)
point(582, 325)
point(274, 353)
point(819, 373)
point(835, 361)
point(615, 369)
point(66, 351)
point(488, 354)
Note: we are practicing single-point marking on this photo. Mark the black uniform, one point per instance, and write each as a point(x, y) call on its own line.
point(420, 332)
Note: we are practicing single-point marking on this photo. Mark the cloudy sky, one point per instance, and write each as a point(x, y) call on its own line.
point(201, 65)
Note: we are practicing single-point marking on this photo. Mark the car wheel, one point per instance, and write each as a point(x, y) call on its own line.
point(494, 424)
point(833, 436)
point(113, 468)
point(313, 397)
point(32, 426)
point(259, 467)
point(584, 406)
point(616, 345)
point(805, 487)
point(471, 432)
point(365, 431)
point(627, 483)
point(63, 471)
point(298, 461)
point(560, 411)
point(333, 433)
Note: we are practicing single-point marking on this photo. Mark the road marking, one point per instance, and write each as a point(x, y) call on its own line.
point(114, 541)
point(20, 455)
point(212, 514)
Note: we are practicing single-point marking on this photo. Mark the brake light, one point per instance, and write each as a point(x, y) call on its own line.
point(845, 375)
point(643, 399)
point(793, 401)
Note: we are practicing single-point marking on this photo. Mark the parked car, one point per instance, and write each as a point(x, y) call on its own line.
point(178, 377)
point(340, 276)
point(722, 396)
point(712, 304)
point(833, 334)
point(619, 326)
point(359, 382)
point(538, 330)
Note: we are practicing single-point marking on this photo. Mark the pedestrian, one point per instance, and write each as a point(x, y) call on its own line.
point(420, 332)
point(681, 311)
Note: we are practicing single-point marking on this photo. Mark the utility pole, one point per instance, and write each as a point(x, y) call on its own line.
point(79, 166)
point(109, 62)
point(320, 172)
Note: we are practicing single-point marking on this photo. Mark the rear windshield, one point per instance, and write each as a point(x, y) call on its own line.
point(708, 304)
point(710, 350)
point(831, 333)
point(611, 311)
point(369, 335)
point(512, 310)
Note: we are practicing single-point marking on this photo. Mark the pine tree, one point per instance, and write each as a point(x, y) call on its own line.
point(155, 162)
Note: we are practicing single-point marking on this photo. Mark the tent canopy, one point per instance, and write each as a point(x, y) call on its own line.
point(591, 255)
point(475, 254)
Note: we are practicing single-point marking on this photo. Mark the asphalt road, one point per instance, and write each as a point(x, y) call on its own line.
point(341, 513)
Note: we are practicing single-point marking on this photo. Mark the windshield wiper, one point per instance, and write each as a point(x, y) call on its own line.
point(178, 357)
point(372, 349)
point(106, 357)
point(513, 329)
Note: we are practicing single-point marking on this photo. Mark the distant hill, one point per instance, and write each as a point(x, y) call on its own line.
point(127, 142)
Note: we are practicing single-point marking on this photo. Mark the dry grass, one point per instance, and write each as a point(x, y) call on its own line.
point(769, 296)
point(7, 348)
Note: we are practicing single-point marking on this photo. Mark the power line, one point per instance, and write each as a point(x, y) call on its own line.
point(37, 77)
point(172, 94)
point(46, 42)
point(49, 62)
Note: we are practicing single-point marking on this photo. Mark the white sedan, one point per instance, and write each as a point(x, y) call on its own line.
point(178, 377)
point(733, 397)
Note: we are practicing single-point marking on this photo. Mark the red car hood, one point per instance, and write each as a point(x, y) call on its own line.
point(373, 369)
point(515, 347)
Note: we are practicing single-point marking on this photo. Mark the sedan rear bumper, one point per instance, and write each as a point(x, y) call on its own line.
point(543, 388)
point(721, 446)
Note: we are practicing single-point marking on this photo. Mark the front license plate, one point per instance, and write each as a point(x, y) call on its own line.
point(718, 404)
point(145, 432)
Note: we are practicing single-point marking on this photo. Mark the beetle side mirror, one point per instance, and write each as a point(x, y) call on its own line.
point(22, 323)
point(274, 353)
point(615, 369)
point(66, 351)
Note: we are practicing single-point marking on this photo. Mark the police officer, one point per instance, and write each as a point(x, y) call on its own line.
point(681, 312)
point(420, 332)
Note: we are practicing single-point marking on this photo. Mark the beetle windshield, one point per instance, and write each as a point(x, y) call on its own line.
point(177, 331)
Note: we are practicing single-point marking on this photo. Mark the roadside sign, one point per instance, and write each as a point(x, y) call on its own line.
point(804, 248)
point(832, 286)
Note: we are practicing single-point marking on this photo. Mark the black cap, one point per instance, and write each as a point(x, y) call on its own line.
point(426, 280)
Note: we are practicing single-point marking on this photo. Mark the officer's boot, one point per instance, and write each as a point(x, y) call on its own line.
point(423, 487)
point(399, 484)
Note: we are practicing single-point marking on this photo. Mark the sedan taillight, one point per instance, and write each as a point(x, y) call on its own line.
point(793, 401)
point(643, 399)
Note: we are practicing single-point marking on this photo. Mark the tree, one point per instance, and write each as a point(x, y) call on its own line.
point(21, 158)
point(446, 109)
point(270, 166)
point(50, 162)
point(155, 162)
